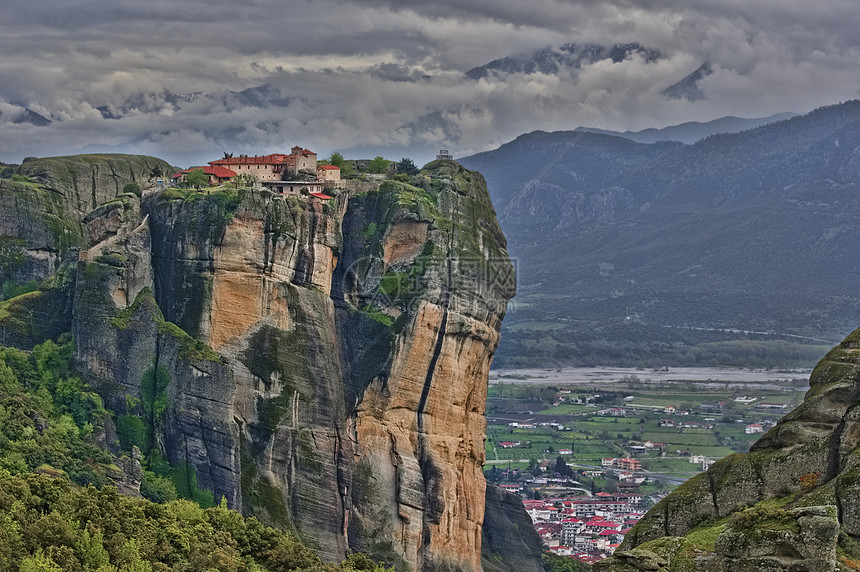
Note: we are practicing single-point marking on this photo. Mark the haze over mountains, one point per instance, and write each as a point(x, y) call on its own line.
point(692, 131)
point(639, 251)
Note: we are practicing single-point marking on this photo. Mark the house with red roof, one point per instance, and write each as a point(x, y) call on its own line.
point(598, 526)
point(629, 464)
point(540, 511)
point(217, 175)
point(511, 487)
point(611, 532)
point(329, 174)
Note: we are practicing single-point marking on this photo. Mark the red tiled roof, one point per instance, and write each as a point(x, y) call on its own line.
point(329, 167)
point(321, 196)
point(220, 172)
point(273, 159)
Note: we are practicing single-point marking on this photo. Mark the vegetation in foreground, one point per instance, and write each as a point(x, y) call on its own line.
point(48, 524)
point(556, 563)
point(60, 508)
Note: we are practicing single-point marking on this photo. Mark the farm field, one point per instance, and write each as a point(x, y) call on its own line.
point(662, 422)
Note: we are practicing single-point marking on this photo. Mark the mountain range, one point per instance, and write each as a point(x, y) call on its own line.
point(692, 131)
point(728, 250)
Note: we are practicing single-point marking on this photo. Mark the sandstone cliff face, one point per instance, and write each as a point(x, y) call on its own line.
point(791, 503)
point(320, 365)
point(440, 274)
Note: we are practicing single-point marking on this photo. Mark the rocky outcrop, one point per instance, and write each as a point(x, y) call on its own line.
point(36, 233)
point(84, 182)
point(44, 217)
point(321, 365)
point(38, 244)
point(791, 503)
point(509, 542)
point(418, 419)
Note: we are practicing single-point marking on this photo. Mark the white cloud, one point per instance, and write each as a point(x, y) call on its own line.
point(370, 75)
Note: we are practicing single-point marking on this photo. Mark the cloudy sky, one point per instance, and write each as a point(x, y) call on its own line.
point(388, 76)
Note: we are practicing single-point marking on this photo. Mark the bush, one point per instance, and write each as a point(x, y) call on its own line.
point(131, 432)
point(157, 489)
point(12, 289)
point(18, 178)
point(131, 188)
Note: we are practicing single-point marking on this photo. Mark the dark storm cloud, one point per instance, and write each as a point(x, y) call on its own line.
point(386, 74)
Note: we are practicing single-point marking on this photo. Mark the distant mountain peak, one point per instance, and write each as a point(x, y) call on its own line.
point(571, 56)
point(29, 116)
point(688, 88)
point(175, 96)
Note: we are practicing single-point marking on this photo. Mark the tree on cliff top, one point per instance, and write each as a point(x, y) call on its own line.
point(378, 165)
point(131, 187)
point(197, 178)
point(337, 160)
point(406, 165)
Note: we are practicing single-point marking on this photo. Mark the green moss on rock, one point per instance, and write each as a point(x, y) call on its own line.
point(82, 182)
point(190, 348)
point(260, 497)
point(31, 318)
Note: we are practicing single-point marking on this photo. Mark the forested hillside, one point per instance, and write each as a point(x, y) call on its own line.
point(61, 473)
